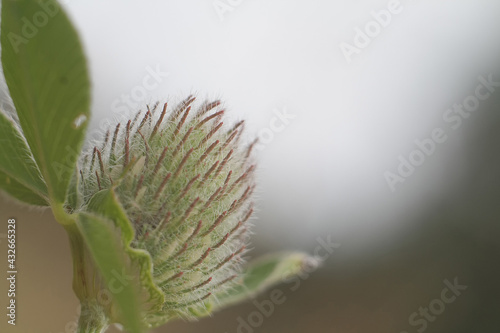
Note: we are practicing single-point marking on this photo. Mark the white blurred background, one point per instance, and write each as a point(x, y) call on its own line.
point(324, 173)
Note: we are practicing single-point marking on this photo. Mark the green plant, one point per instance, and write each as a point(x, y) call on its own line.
point(163, 200)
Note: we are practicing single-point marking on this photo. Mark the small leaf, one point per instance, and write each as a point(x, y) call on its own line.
point(265, 272)
point(17, 162)
point(105, 203)
point(46, 73)
point(104, 242)
point(20, 192)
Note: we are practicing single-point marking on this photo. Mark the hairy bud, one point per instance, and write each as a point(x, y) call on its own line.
point(185, 183)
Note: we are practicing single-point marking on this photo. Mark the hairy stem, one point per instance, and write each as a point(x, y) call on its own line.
point(60, 214)
point(92, 319)
point(87, 285)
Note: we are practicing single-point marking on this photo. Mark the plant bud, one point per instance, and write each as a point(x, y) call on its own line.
point(185, 183)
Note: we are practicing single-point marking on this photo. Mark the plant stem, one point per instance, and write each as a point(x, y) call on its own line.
point(92, 316)
point(92, 319)
point(86, 285)
point(61, 216)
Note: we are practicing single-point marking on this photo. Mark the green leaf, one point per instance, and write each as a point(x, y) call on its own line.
point(265, 272)
point(106, 203)
point(47, 77)
point(74, 197)
point(103, 240)
point(20, 192)
point(17, 165)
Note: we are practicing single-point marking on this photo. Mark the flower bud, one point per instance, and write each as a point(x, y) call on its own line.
point(185, 183)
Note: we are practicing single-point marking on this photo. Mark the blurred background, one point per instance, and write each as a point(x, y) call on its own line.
point(338, 93)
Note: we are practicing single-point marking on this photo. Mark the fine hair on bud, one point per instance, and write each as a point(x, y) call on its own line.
point(185, 180)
